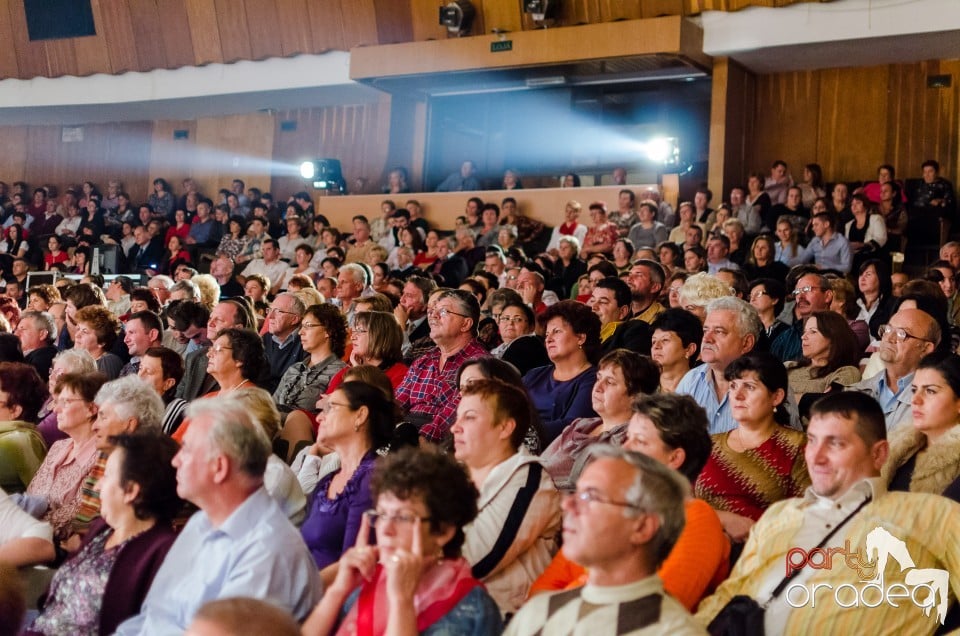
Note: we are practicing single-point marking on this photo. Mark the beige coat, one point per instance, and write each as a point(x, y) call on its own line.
point(936, 467)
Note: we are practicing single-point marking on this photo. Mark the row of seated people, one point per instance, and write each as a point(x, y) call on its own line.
point(83, 216)
point(517, 435)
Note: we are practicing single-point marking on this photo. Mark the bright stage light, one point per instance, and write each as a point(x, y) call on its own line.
point(307, 170)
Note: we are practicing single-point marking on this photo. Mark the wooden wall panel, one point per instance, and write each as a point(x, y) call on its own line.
point(263, 25)
point(13, 159)
point(506, 15)
point(298, 36)
point(117, 30)
point(107, 151)
point(732, 117)
point(204, 31)
point(851, 106)
point(148, 33)
point(786, 124)
point(234, 36)
point(177, 39)
point(173, 159)
point(61, 57)
point(423, 14)
point(357, 135)
point(92, 55)
point(31, 57)
point(620, 10)
point(359, 23)
point(851, 120)
point(8, 54)
point(326, 21)
point(394, 22)
point(238, 146)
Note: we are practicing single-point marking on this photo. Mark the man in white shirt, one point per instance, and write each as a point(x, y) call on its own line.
point(270, 265)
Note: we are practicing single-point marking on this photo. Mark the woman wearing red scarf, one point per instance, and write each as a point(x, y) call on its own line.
point(414, 578)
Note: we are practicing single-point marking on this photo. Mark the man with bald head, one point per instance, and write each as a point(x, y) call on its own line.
point(910, 335)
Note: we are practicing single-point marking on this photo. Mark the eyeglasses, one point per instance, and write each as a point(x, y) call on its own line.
point(806, 289)
point(324, 406)
point(356, 332)
point(900, 334)
point(274, 310)
point(757, 294)
point(403, 518)
point(220, 348)
point(443, 312)
point(310, 325)
point(589, 496)
point(510, 319)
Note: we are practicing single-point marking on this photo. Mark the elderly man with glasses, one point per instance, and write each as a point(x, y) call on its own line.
point(812, 293)
point(429, 392)
point(282, 343)
point(910, 335)
point(620, 533)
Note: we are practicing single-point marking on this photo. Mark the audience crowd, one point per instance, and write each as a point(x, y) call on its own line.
point(726, 420)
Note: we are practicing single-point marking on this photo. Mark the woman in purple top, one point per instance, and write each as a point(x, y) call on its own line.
point(561, 391)
point(354, 421)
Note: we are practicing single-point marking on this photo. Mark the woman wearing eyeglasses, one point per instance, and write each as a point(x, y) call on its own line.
point(235, 360)
point(54, 492)
point(415, 579)
point(521, 347)
point(354, 422)
point(323, 334)
point(514, 535)
point(377, 340)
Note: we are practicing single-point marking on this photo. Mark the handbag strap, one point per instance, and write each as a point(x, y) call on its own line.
point(786, 580)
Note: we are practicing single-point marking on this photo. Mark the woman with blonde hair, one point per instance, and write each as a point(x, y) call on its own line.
point(698, 290)
point(279, 480)
point(209, 290)
point(788, 249)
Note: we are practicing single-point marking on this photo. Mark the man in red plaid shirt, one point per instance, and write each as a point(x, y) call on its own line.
point(429, 392)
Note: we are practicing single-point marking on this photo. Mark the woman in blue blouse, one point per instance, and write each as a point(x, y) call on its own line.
point(561, 392)
point(354, 421)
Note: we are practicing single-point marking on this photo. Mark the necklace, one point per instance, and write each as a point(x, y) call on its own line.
point(242, 382)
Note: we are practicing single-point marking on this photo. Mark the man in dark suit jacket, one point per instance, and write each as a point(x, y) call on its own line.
point(450, 267)
point(37, 331)
point(146, 253)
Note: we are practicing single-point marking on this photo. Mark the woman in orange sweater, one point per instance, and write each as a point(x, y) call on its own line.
point(672, 429)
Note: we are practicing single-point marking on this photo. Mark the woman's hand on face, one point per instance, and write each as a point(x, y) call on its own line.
point(355, 359)
point(404, 568)
point(359, 563)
